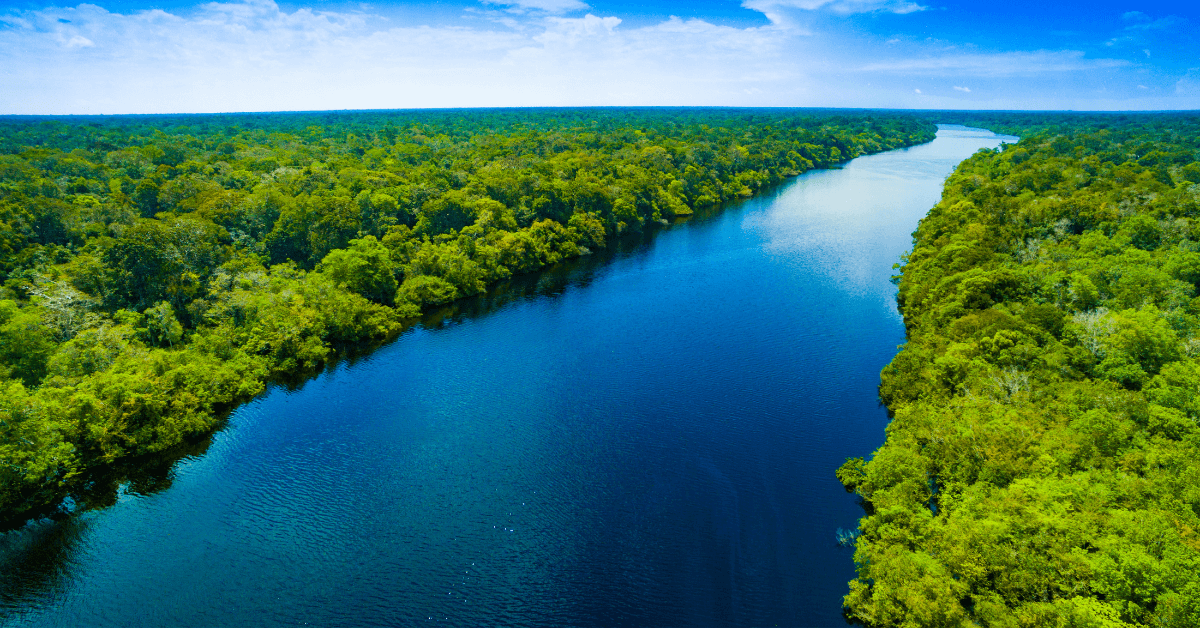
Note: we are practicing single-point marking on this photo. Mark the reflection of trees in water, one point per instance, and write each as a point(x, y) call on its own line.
point(547, 282)
point(552, 281)
point(141, 476)
point(34, 559)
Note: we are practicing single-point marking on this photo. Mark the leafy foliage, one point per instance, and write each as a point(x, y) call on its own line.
point(1043, 464)
point(159, 269)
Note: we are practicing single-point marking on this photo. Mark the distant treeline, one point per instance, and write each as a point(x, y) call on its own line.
point(1043, 464)
point(157, 270)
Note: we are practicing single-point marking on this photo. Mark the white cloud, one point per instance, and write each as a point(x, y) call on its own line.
point(1144, 23)
point(1189, 85)
point(253, 56)
point(549, 6)
point(917, 91)
point(1142, 29)
point(79, 42)
point(994, 64)
point(841, 7)
point(570, 32)
point(962, 89)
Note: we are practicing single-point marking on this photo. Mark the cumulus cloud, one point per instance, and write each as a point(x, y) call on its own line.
point(962, 89)
point(252, 55)
point(79, 42)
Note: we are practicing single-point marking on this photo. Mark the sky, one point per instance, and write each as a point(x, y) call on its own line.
point(181, 56)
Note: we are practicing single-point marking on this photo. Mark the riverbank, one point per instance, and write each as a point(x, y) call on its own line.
point(161, 270)
point(1041, 467)
point(643, 436)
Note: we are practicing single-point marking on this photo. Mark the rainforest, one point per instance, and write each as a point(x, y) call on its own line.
point(158, 270)
point(1043, 464)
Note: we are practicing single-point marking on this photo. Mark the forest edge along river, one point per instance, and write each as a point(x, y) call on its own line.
point(643, 436)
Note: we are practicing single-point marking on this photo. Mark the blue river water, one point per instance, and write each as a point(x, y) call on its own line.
point(643, 437)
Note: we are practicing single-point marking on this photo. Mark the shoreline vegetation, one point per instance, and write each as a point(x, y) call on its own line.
point(1042, 467)
point(157, 271)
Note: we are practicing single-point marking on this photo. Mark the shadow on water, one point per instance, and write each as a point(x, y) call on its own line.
point(655, 449)
point(34, 559)
point(36, 555)
point(577, 272)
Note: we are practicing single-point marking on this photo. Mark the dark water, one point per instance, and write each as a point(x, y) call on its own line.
point(642, 439)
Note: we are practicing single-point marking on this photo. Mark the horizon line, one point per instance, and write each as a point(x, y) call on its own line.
point(6, 116)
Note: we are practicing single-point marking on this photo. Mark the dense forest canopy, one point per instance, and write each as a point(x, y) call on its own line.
point(1043, 464)
point(157, 270)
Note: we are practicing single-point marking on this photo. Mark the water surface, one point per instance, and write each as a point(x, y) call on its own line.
point(645, 437)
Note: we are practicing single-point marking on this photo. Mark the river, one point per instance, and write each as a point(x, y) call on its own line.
point(643, 437)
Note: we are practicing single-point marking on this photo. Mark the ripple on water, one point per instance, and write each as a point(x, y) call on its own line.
point(646, 438)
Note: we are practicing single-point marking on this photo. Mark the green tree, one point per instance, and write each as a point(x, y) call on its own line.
point(162, 328)
point(365, 267)
point(25, 343)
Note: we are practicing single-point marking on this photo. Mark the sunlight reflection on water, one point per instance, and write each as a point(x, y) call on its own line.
point(646, 437)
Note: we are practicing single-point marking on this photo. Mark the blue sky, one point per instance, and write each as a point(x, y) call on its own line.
point(130, 56)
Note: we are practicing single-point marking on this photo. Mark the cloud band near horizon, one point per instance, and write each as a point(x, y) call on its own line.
point(255, 56)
